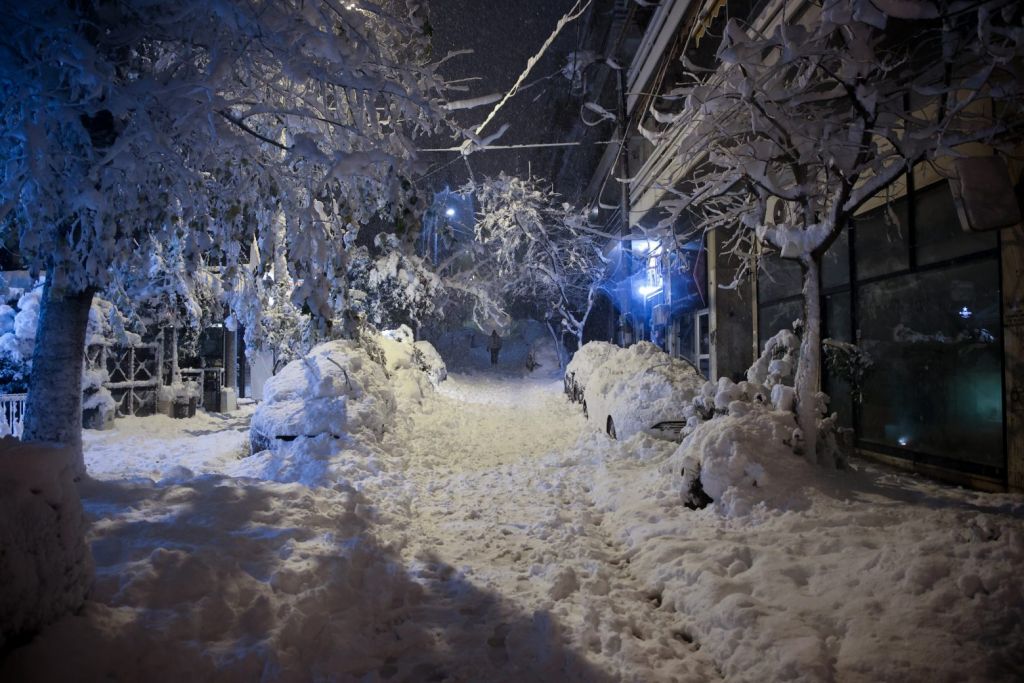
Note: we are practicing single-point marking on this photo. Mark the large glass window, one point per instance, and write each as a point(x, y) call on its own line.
point(938, 235)
point(777, 278)
point(882, 240)
point(922, 297)
point(936, 385)
point(836, 385)
point(835, 264)
point(775, 317)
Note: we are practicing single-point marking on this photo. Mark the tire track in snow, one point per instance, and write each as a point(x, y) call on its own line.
point(502, 502)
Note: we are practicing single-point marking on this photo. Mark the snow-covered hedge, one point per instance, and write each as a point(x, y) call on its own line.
point(415, 367)
point(583, 363)
point(45, 565)
point(17, 344)
point(742, 441)
point(638, 387)
point(335, 390)
point(430, 362)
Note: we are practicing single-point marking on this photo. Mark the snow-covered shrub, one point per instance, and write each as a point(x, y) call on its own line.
point(737, 431)
point(335, 391)
point(45, 565)
point(849, 362)
point(17, 340)
point(583, 363)
point(413, 376)
point(738, 459)
point(98, 406)
point(777, 363)
point(638, 387)
point(430, 361)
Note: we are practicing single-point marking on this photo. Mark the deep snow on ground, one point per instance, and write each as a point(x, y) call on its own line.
point(495, 536)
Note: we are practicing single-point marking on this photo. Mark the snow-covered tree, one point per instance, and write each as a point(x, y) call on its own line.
point(541, 248)
point(797, 128)
point(204, 122)
point(390, 285)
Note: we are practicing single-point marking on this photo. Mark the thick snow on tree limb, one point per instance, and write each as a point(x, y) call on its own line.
point(203, 122)
point(799, 126)
point(539, 248)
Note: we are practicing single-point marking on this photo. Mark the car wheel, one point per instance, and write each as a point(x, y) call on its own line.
point(610, 428)
point(585, 413)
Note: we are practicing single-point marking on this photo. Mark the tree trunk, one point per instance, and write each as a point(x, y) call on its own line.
point(559, 349)
point(53, 410)
point(808, 369)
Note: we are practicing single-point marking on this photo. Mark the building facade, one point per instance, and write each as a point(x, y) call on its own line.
point(936, 303)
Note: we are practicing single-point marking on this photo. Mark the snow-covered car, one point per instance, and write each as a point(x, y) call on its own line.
point(335, 390)
point(640, 389)
point(581, 367)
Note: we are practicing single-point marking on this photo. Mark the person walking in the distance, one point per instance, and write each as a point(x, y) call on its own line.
point(494, 345)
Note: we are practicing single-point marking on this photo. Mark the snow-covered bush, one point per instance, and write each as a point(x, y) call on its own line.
point(335, 392)
point(45, 565)
point(638, 387)
point(17, 345)
point(848, 361)
point(17, 340)
point(415, 368)
point(581, 367)
point(735, 433)
point(430, 361)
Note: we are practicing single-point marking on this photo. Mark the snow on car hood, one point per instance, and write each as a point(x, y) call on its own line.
point(638, 387)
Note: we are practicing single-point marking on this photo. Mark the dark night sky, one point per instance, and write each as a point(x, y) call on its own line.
point(504, 34)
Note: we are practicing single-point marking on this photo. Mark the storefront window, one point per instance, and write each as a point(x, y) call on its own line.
point(775, 317)
point(881, 238)
point(777, 278)
point(936, 385)
point(939, 236)
point(835, 264)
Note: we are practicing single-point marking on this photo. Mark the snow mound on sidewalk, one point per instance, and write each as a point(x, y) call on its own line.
point(853, 576)
point(740, 460)
point(45, 565)
point(590, 356)
point(336, 390)
point(416, 368)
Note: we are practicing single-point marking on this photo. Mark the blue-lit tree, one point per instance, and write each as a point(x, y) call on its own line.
point(201, 123)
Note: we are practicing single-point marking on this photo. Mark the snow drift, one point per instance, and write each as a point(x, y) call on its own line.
point(45, 566)
point(333, 392)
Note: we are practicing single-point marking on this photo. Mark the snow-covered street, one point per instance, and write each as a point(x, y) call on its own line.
point(501, 501)
point(493, 536)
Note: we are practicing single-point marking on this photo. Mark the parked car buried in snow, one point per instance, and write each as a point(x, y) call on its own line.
point(639, 389)
point(335, 390)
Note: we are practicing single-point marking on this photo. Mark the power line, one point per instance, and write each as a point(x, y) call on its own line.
point(523, 146)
